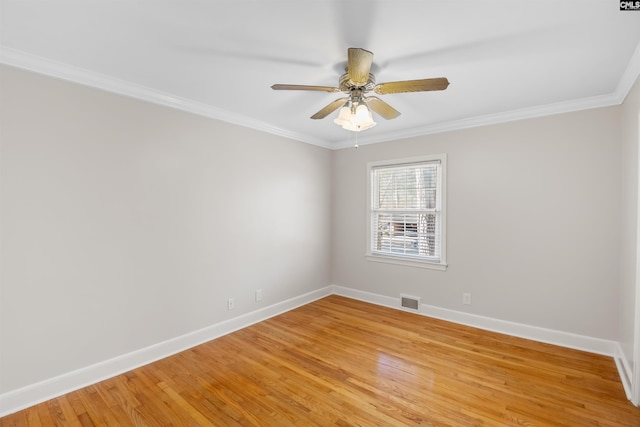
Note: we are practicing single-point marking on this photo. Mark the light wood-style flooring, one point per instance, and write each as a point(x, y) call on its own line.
point(341, 362)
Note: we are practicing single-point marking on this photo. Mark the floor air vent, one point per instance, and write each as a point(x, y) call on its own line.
point(409, 302)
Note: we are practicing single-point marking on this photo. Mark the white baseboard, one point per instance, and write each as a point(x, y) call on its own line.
point(549, 336)
point(33, 394)
point(624, 370)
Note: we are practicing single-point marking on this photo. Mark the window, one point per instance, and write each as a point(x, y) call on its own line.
point(407, 212)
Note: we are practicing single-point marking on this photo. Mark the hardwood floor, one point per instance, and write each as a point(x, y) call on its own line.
point(343, 362)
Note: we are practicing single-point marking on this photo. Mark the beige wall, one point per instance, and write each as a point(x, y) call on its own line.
point(533, 222)
point(629, 219)
point(125, 224)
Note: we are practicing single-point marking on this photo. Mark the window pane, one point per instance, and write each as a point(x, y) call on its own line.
point(406, 234)
point(407, 187)
point(405, 215)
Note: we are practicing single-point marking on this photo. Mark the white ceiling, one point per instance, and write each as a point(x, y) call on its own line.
point(505, 59)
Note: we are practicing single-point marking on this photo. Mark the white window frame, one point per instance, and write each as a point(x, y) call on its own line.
point(401, 259)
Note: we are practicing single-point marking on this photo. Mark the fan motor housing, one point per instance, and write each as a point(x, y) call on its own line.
point(346, 85)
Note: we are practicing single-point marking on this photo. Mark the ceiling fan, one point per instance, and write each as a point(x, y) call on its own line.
point(356, 82)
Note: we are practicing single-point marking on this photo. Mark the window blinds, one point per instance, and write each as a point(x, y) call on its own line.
point(405, 211)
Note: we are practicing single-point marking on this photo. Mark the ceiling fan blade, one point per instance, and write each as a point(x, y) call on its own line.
point(330, 108)
point(359, 65)
point(305, 87)
point(382, 108)
point(440, 83)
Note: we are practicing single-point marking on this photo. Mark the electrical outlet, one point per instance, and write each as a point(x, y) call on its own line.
point(258, 295)
point(230, 304)
point(466, 299)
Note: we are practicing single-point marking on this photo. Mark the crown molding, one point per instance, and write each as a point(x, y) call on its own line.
point(493, 119)
point(628, 79)
point(630, 75)
point(20, 59)
point(37, 64)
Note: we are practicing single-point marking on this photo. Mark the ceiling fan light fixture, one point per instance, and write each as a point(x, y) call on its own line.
point(358, 127)
point(356, 82)
point(344, 116)
point(355, 119)
point(363, 115)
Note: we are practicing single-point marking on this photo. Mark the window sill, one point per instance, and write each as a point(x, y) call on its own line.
point(410, 262)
